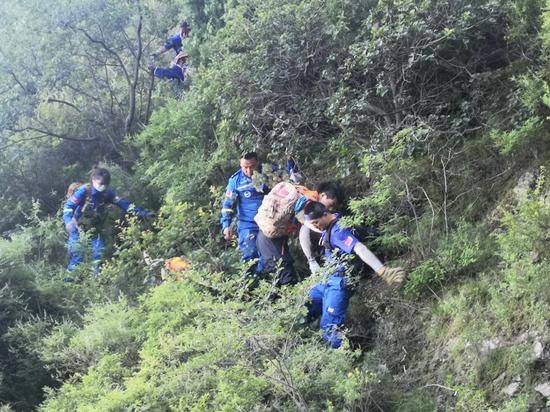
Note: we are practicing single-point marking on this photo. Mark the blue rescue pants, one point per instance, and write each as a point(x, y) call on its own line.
point(247, 243)
point(329, 300)
point(77, 252)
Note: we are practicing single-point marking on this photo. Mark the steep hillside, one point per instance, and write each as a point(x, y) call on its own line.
point(433, 115)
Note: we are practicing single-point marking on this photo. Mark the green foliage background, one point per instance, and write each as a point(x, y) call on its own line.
point(433, 114)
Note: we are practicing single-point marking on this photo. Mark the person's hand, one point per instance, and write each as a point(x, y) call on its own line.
point(393, 276)
point(227, 234)
point(313, 266)
point(72, 226)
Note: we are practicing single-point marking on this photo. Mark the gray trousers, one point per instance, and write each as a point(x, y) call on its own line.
point(274, 251)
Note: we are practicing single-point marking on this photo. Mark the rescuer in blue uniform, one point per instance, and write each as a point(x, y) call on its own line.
point(246, 199)
point(85, 210)
point(329, 299)
point(175, 41)
point(243, 196)
point(175, 72)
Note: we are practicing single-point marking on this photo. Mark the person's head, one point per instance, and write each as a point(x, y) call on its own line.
point(100, 178)
point(331, 195)
point(249, 163)
point(181, 58)
point(317, 215)
point(184, 28)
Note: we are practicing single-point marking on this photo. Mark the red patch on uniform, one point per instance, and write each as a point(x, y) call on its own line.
point(283, 192)
point(74, 199)
point(348, 241)
point(229, 193)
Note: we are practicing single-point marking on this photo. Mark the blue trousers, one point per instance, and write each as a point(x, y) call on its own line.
point(247, 243)
point(77, 252)
point(330, 300)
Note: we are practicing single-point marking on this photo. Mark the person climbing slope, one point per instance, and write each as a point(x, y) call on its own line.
point(175, 72)
point(280, 215)
point(175, 42)
point(329, 299)
point(85, 210)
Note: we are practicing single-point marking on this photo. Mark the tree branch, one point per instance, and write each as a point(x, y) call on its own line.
point(133, 85)
point(106, 48)
point(50, 100)
point(52, 134)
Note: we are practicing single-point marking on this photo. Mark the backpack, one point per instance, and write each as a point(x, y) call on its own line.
point(276, 210)
point(73, 188)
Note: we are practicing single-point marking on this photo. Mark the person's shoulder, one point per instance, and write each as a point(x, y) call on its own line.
point(81, 190)
point(233, 180)
point(237, 175)
point(341, 231)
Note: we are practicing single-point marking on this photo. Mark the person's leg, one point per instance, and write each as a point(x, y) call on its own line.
point(97, 252)
point(75, 249)
point(268, 252)
point(335, 305)
point(315, 303)
point(287, 275)
point(247, 243)
point(272, 251)
point(247, 246)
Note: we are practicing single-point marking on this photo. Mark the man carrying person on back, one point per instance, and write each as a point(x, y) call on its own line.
point(277, 218)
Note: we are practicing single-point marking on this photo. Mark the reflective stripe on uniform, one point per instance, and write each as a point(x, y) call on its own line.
point(247, 186)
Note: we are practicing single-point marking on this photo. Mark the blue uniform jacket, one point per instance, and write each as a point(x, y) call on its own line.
point(174, 42)
point(96, 201)
point(342, 240)
point(174, 72)
point(243, 196)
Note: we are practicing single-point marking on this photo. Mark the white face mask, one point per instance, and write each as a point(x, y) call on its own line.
point(99, 188)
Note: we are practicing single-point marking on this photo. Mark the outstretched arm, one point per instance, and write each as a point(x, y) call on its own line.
point(392, 276)
point(368, 257)
point(126, 205)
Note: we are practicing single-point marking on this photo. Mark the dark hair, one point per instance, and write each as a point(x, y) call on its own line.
point(250, 156)
point(314, 210)
point(102, 174)
point(333, 190)
point(184, 25)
